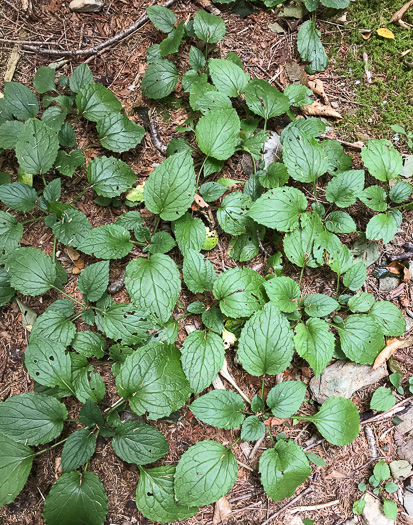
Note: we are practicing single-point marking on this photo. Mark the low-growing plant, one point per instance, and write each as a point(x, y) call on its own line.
point(378, 483)
point(270, 315)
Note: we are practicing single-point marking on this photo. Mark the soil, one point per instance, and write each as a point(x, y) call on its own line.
point(265, 55)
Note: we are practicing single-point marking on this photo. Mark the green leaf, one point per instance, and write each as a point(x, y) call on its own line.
point(252, 429)
point(279, 208)
point(202, 357)
point(90, 415)
point(338, 160)
point(283, 469)
point(227, 77)
point(122, 321)
point(362, 302)
point(67, 162)
point(32, 418)
point(196, 59)
point(340, 222)
point(118, 133)
point(390, 509)
point(139, 443)
point(72, 228)
point(274, 176)
point(190, 233)
point(257, 404)
point(6, 291)
point(310, 47)
point(18, 196)
point(265, 100)
point(336, 4)
point(283, 293)
point(315, 344)
point(206, 472)
point(155, 497)
point(20, 101)
point(89, 343)
point(375, 198)
point(43, 80)
point(217, 133)
point(76, 498)
point(95, 101)
point(390, 488)
point(355, 277)
point(110, 176)
point(212, 191)
point(315, 459)
point(173, 41)
point(338, 421)
point(54, 117)
point(381, 471)
point(53, 190)
point(304, 157)
point(142, 380)
point(154, 285)
point(239, 292)
point(389, 317)
point(47, 362)
point(109, 241)
point(94, 280)
point(170, 188)
point(129, 220)
point(266, 342)
point(209, 28)
point(286, 398)
point(67, 136)
point(298, 95)
point(160, 79)
point(400, 192)
point(199, 274)
point(232, 214)
point(81, 77)
point(382, 400)
point(382, 160)
point(358, 506)
point(79, 448)
point(161, 17)
point(31, 271)
point(219, 408)
point(15, 463)
point(161, 242)
point(213, 319)
point(361, 338)
point(54, 326)
point(313, 127)
point(320, 305)
point(245, 246)
point(36, 147)
point(381, 226)
point(9, 132)
point(345, 188)
point(10, 234)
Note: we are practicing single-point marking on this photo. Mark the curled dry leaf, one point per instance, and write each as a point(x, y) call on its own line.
point(387, 352)
point(275, 421)
point(398, 268)
point(320, 110)
point(317, 87)
point(222, 510)
point(200, 201)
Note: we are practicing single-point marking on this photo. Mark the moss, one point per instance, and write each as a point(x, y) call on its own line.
point(389, 99)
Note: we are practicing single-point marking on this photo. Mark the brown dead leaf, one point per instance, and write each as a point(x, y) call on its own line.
point(76, 271)
point(275, 421)
point(80, 264)
point(366, 35)
point(395, 267)
point(317, 87)
point(388, 351)
point(320, 110)
point(336, 474)
point(200, 201)
point(222, 510)
point(72, 253)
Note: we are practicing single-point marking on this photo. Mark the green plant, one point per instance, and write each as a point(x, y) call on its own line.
point(271, 316)
point(379, 484)
point(408, 134)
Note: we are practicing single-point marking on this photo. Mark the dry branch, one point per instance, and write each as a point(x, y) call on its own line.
point(399, 14)
point(96, 49)
point(281, 511)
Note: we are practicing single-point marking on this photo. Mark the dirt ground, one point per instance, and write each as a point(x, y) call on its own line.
point(265, 55)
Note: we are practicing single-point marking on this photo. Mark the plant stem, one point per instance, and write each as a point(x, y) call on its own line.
point(301, 276)
point(315, 190)
point(54, 249)
point(69, 297)
point(118, 402)
point(262, 387)
point(138, 243)
point(79, 195)
point(49, 448)
point(32, 220)
point(156, 225)
point(235, 442)
point(269, 433)
point(199, 172)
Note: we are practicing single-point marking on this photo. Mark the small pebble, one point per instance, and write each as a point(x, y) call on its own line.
point(334, 105)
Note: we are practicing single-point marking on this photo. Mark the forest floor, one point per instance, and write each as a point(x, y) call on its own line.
point(266, 55)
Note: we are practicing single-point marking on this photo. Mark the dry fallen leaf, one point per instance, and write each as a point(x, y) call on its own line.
point(76, 271)
point(72, 253)
point(387, 352)
point(79, 263)
point(385, 33)
point(317, 87)
point(275, 421)
point(222, 510)
point(320, 110)
point(335, 474)
point(366, 35)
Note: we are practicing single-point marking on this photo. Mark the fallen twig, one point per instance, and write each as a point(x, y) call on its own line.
point(354, 145)
point(371, 441)
point(389, 413)
point(96, 49)
point(368, 72)
point(255, 449)
point(399, 14)
point(156, 141)
point(305, 492)
point(315, 507)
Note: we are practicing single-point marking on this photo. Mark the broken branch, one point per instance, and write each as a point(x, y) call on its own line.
point(399, 14)
point(305, 492)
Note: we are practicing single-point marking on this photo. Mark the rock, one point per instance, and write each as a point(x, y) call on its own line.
point(354, 521)
point(272, 149)
point(86, 6)
point(343, 378)
point(372, 513)
point(407, 422)
point(405, 451)
point(400, 469)
point(388, 284)
point(408, 502)
point(334, 105)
